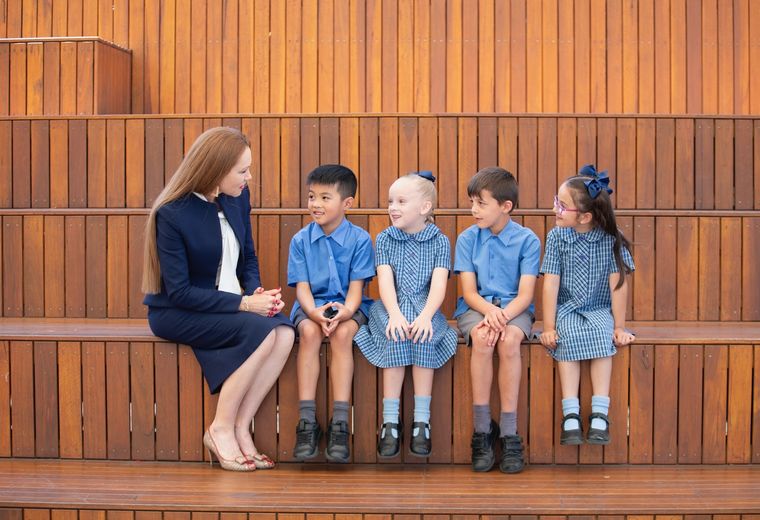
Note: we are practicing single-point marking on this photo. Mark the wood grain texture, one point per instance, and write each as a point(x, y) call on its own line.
point(150, 486)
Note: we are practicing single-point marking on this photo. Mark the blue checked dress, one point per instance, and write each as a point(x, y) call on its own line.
point(413, 258)
point(584, 262)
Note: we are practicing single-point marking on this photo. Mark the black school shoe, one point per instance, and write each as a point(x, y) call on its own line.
point(512, 456)
point(420, 444)
point(307, 440)
point(571, 437)
point(482, 445)
point(595, 435)
point(337, 442)
point(389, 446)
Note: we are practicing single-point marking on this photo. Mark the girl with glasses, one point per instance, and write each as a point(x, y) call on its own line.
point(584, 297)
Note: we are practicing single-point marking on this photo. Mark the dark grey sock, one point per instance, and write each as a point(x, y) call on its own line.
point(340, 411)
point(508, 423)
point(307, 410)
point(481, 417)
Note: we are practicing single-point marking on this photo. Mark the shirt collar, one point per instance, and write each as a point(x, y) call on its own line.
point(430, 231)
point(339, 235)
point(503, 235)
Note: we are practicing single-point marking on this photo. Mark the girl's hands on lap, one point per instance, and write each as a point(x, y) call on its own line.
point(621, 337)
point(421, 329)
point(549, 339)
point(398, 327)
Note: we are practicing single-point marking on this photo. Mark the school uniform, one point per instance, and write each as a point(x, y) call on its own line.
point(190, 308)
point(584, 263)
point(498, 261)
point(329, 263)
point(413, 258)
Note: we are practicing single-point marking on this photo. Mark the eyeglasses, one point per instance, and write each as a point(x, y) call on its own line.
point(561, 208)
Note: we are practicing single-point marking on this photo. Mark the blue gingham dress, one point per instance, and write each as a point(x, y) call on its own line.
point(413, 258)
point(584, 262)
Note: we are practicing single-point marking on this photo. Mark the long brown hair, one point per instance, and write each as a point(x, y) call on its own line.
point(212, 156)
point(603, 216)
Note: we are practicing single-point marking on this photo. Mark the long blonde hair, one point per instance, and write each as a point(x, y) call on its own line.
point(213, 154)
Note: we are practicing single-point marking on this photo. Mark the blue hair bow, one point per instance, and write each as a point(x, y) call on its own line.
point(426, 174)
point(599, 180)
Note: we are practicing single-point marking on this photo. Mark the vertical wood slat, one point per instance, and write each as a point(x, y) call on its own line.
point(70, 399)
point(46, 399)
point(5, 399)
point(142, 401)
point(666, 399)
point(22, 390)
point(94, 400)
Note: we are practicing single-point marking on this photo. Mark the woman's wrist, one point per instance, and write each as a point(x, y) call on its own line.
point(245, 304)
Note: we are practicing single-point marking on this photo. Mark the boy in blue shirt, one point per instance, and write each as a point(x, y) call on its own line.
point(497, 260)
point(329, 262)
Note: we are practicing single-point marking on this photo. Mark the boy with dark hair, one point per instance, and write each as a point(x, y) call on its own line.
point(497, 260)
point(329, 262)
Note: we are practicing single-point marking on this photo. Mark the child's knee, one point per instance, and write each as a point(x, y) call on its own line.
point(509, 348)
point(310, 333)
point(480, 346)
point(344, 333)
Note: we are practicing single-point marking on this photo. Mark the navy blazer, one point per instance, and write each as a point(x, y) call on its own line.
point(189, 242)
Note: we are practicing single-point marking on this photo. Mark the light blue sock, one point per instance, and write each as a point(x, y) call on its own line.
point(422, 408)
point(390, 412)
point(422, 412)
point(599, 404)
point(571, 405)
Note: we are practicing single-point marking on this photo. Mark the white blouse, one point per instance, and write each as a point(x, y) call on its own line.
point(226, 274)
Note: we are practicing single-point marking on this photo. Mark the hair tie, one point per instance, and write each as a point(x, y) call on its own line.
point(426, 174)
point(599, 180)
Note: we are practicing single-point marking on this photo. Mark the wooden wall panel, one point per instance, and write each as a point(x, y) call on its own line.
point(654, 163)
point(154, 400)
point(91, 180)
point(575, 56)
point(55, 76)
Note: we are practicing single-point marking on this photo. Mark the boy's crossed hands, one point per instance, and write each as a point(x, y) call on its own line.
point(493, 328)
point(327, 320)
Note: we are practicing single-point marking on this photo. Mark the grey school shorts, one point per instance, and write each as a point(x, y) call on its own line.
point(358, 317)
point(470, 318)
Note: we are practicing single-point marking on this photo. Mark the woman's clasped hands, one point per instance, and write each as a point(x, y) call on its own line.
point(266, 302)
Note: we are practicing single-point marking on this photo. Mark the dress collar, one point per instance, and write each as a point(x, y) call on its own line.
point(430, 231)
point(570, 235)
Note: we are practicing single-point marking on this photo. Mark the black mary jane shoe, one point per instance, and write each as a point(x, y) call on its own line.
point(389, 446)
point(571, 437)
point(595, 435)
point(420, 444)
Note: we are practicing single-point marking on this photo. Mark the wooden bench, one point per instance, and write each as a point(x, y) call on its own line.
point(97, 490)
point(109, 389)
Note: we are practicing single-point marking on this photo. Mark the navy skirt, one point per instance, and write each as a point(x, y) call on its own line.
point(221, 341)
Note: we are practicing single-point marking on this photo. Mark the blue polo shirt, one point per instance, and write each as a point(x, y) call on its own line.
point(330, 262)
point(498, 261)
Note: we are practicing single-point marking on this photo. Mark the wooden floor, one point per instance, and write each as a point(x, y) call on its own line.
point(538, 490)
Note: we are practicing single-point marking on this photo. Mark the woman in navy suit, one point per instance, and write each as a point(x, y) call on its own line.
point(202, 285)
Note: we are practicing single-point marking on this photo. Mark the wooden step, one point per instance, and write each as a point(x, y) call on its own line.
point(379, 489)
point(109, 389)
